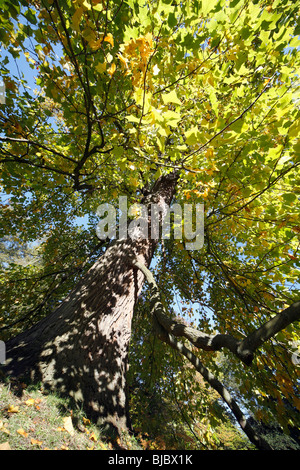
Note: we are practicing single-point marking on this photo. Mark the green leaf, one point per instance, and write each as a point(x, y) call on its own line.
point(289, 197)
point(132, 118)
point(30, 15)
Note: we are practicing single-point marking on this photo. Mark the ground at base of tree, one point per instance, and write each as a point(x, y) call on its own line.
point(33, 419)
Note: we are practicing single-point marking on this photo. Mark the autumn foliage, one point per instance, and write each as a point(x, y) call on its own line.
point(104, 99)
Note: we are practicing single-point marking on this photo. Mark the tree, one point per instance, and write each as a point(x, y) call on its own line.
point(163, 103)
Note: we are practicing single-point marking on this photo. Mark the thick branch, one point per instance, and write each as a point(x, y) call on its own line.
point(198, 338)
point(244, 350)
point(249, 345)
point(157, 311)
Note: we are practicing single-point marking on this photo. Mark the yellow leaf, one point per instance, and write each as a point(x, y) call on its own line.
point(231, 56)
point(86, 421)
point(123, 60)
point(22, 432)
point(60, 429)
point(210, 79)
point(3, 428)
point(294, 130)
point(111, 69)
point(35, 442)
point(134, 182)
point(95, 44)
point(86, 4)
point(93, 437)
point(109, 58)
point(109, 38)
point(171, 98)
point(192, 136)
point(29, 402)
point(13, 409)
point(97, 5)
point(68, 425)
point(149, 39)
point(88, 34)
point(209, 153)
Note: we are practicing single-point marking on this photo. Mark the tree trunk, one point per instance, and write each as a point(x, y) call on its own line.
point(81, 349)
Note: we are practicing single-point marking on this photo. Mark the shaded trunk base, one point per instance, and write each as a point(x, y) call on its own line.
point(81, 349)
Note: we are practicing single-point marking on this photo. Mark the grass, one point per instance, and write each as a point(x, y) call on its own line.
point(31, 419)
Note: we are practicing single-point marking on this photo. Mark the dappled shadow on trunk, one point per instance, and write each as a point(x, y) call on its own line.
point(81, 349)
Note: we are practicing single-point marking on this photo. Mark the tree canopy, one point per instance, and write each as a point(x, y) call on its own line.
point(102, 99)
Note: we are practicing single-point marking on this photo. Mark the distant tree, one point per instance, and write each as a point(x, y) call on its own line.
point(12, 251)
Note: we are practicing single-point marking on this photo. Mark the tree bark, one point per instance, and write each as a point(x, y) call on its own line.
point(81, 349)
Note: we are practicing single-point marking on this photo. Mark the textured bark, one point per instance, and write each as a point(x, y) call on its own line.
point(81, 349)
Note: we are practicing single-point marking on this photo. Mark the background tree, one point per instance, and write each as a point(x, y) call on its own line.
point(195, 102)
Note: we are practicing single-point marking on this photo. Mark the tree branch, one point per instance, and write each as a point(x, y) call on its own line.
point(157, 311)
point(257, 440)
point(36, 144)
point(252, 342)
point(244, 350)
